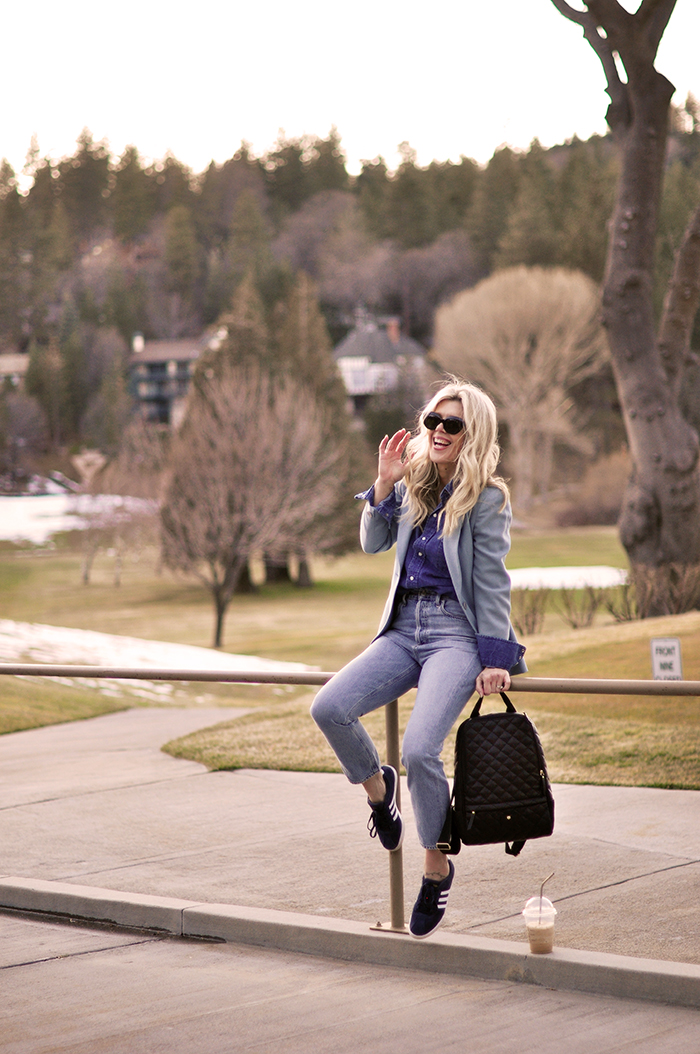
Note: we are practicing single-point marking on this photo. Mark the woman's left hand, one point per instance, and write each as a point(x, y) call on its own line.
point(492, 680)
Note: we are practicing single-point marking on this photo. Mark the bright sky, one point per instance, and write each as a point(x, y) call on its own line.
point(452, 77)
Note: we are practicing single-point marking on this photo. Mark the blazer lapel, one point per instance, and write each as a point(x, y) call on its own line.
point(460, 542)
point(450, 547)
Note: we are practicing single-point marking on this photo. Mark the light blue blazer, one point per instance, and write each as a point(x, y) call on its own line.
point(475, 555)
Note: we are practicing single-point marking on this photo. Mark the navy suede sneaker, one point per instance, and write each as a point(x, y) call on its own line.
point(429, 909)
point(386, 822)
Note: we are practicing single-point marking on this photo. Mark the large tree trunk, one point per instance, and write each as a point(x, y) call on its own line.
point(244, 581)
point(276, 569)
point(522, 447)
point(220, 606)
point(304, 579)
point(660, 521)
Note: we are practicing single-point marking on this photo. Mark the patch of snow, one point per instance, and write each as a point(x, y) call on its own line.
point(36, 517)
point(33, 642)
point(597, 576)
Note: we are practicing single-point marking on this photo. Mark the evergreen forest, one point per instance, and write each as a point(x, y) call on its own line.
point(96, 248)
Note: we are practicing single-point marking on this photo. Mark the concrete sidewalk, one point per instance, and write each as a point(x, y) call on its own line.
point(98, 823)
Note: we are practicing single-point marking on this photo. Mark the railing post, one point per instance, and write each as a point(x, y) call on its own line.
point(393, 757)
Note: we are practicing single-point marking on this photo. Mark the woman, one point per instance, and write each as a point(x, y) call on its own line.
point(446, 625)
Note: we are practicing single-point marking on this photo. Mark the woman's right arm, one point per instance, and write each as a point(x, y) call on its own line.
point(379, 527)
point(392, 466)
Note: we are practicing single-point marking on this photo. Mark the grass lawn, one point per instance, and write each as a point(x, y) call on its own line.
point(27, 702)
point(567, 547)
point(619, 740)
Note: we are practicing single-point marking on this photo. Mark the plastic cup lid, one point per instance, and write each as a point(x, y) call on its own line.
point(534, 906)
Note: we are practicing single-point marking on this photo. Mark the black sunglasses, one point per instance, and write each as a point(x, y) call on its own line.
point(452, 425)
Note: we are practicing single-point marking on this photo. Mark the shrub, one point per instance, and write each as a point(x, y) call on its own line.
point(577, 607)
point(528, 607)
point(649, 591)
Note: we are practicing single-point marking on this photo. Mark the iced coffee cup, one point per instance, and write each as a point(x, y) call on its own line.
point(539, 918)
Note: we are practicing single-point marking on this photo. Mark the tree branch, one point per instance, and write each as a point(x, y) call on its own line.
point(634, 36)
point(653, 16)
point(681, 304)
point(619, 114)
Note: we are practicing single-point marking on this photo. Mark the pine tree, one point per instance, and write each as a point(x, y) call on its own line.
point(108, 412)
point(246, 250)
point(493, 199)
point(44, 381)
point(13, 239)
point(243, 336)
point(530, 236)
point(303, 351)
point(182, 255)
point(411, 212)
point(303, 346)
point(74, 372)
point(287, 175)
point(372, 189)
point(326, 166)
point(84, 186)
point(219, 191)
point(586, 192)
point(174, 182)
point(125, 305)
point(453, 188)
point(133, 200)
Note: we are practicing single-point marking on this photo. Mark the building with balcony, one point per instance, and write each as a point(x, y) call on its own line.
point(160, 372)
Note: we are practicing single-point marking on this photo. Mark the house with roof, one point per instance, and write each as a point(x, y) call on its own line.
point(373, 357)
point(160, 374)
point(13, 368)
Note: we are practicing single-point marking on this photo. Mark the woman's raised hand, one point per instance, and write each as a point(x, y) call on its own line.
point(392, 466)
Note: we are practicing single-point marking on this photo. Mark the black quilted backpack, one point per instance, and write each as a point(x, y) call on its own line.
point(501, 789)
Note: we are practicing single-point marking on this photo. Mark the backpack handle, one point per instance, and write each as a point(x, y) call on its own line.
point(477, 706)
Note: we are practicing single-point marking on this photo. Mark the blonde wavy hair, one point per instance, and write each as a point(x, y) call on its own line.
point(476, 464)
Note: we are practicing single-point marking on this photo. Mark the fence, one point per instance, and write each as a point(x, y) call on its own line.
point(564, 686)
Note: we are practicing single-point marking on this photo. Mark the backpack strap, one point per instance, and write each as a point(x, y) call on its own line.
point(509, 706)
point(449, 841)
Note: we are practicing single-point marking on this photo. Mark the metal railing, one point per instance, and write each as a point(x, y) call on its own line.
point(555, 685)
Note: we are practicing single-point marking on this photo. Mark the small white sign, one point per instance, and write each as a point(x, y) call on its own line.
point(666, 659)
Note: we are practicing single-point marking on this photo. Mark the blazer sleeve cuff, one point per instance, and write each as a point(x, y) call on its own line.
point(385, 508)
point(498, 653)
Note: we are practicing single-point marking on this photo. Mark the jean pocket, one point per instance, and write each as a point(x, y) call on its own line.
point(453, 609)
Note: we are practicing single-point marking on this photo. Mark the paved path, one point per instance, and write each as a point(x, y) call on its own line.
point(96, 804)
point(79, 991)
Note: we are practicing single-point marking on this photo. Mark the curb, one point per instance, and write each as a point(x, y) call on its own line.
point(597, 973)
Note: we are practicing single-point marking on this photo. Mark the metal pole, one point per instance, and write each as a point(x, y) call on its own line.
point(144, 673)
point(557, 685)
point(393, 757)
point(600, 686)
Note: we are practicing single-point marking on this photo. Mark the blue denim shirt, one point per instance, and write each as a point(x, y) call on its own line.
point(425, 566)
point(425, 560)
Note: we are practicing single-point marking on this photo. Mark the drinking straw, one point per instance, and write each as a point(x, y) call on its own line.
point(541, 892)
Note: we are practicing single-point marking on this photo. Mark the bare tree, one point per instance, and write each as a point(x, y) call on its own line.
point(251, 470)
point(660, 523)
point(525, 335)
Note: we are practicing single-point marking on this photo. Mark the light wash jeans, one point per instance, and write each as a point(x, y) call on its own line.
point(430, 645)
